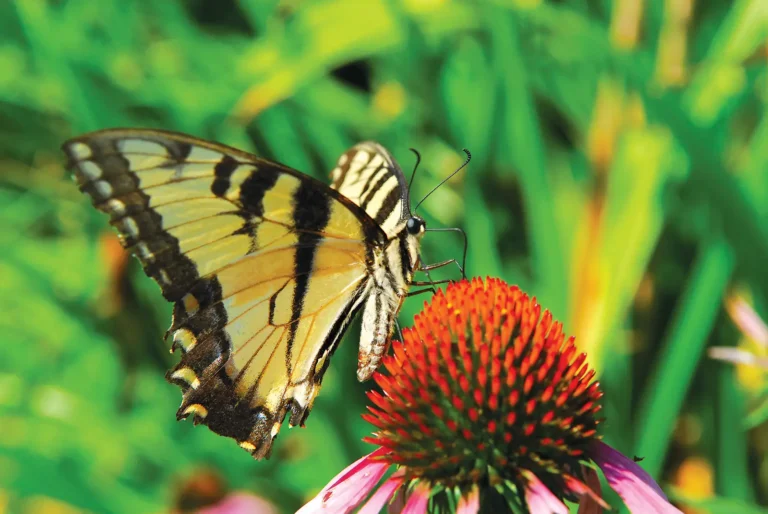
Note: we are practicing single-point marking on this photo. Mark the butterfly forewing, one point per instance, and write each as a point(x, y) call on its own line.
point(266, 267)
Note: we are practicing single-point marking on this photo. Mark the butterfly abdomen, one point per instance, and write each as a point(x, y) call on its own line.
point(390, 282)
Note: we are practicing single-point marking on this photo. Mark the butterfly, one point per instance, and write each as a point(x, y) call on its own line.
point(265, 266)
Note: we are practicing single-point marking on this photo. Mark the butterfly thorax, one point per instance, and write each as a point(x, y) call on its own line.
point(398, 260)
point(369, 176)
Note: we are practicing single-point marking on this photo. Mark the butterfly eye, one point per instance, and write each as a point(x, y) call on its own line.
point(415, 225)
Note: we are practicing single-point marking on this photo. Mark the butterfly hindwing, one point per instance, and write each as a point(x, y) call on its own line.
point(265, 267)
point(369, 176)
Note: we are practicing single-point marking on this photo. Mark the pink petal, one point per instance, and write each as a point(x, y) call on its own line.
point(350, 487)
point(417, 500)
point(240, 503)
point(591, 502)
point(382, 495)
point(540, 500)
point(469, 504)
point(397, 504)
point(737, 356)
point(748, 321)
point(636, 487)
point(356, 466)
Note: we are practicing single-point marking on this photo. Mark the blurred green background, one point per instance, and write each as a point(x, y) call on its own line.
point(619, 173)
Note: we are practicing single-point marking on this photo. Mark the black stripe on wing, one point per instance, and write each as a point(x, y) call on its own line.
point(311, 213)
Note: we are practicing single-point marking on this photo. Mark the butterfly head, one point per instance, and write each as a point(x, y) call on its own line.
point(416, 226)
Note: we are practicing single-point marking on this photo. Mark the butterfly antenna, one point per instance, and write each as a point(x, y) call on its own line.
point(415, 167)
point(449, 177)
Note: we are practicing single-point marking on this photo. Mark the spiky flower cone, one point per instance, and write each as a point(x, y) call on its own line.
point(484, 391)
point(486, 407)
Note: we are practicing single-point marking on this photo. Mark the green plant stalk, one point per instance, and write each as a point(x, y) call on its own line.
point(733, 480)
point(619, 383)
point(682, 351)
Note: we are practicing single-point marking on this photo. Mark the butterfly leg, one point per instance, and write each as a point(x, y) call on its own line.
point(429, 283)
point(436, 265)
point(463, 265)
point(426, 269)
point(421, 291)
point(399, 330)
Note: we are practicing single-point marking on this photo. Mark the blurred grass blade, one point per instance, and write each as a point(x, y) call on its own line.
point(467, 76)
point(717, 505)
point(683, 347)
point(758, 415)
point(646, 164)
point(522, 148)
point(732, 465)
point(329, 33)
point(721, 75)
point(482, 252)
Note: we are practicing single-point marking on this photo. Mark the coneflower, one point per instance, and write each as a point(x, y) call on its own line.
point(486, 407)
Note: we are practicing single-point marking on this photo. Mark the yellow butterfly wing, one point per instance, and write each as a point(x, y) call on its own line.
point(265, 266)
